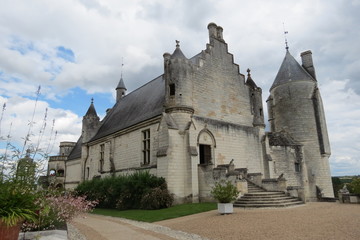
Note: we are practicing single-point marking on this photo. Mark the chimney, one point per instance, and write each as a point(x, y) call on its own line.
point(212, 27)
point(220, 33)
point(307, 63)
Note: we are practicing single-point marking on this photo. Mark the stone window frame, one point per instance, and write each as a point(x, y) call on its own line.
point(146, 147)
point(102, 157)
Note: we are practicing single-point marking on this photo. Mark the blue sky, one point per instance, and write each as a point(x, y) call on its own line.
point(74, 49)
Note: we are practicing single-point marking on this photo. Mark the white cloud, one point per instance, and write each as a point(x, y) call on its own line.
point(342, 107)
point(21, 112)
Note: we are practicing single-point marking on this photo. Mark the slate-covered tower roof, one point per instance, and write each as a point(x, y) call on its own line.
point(291, 70)
point(120, 89)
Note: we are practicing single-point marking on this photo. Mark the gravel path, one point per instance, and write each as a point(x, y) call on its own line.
point(311, 221)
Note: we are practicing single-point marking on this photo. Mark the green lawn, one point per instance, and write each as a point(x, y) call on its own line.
point(158, 215)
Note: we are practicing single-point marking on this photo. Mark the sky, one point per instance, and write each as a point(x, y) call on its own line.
point(76, 50)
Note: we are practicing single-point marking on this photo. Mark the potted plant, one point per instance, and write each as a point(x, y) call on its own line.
point(225, 193)
point(16, 206)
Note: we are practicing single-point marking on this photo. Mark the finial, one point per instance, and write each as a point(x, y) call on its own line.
point(92, 100)
point(248, 71)
point(177, 43)
point(286, 42)
point(122, 65)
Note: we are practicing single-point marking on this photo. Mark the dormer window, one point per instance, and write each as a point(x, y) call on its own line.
point(172, 89)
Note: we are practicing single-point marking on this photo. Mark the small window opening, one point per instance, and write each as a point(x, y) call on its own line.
point(297, 167)
point(61, 173)
point(205, 154)
point(172, 89)
point(261, 111)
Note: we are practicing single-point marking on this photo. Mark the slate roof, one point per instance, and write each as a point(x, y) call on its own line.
point(140, 105)
point(76, 152)
point(121, 84)
point(290, 70)
point(91, 111)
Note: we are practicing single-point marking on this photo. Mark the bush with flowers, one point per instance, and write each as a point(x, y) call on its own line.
point(56, 208)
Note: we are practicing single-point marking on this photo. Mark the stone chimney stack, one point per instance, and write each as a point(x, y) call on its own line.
point(212, 31)
point(307, 63)
point(219, 31)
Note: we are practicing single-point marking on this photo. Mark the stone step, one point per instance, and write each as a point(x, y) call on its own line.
point(249, 199)
point(265, 194)
point(268, 205)
point(257, 201)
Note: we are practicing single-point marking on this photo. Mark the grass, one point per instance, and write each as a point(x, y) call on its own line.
point(158, 215)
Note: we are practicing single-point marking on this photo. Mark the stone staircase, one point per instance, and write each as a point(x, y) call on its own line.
point(260, 198)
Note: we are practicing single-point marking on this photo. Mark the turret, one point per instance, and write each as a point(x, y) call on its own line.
point(177, 74)
point(120, 90)
point(255, 93)
point(295, 106)
point(90, 123)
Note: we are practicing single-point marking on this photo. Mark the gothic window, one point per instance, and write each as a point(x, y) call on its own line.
point(172, 89)
point(146, 146)
point(205, 154)
point(102, 155)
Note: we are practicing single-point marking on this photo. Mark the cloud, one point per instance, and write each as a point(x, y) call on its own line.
point(342, 108)
point(27, 119)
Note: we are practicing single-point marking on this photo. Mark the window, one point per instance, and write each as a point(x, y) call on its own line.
point(102, 154)
point(61, 173)
point(205, 154)
point(146, 146)
point(172, 89)
point(297, 167)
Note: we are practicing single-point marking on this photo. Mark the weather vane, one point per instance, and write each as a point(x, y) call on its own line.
point(286, 42)
point(122, 65)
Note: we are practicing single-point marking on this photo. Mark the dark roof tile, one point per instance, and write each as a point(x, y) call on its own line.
point(142, 104)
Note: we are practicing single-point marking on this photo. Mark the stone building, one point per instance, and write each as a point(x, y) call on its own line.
point(202, 119)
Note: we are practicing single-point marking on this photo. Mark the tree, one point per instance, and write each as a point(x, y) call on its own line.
point(354, 186)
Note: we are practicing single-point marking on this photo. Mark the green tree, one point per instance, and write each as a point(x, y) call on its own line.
point(337, 185)
point(354, 186)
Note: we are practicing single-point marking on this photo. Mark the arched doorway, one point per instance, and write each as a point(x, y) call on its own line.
point(206, 144)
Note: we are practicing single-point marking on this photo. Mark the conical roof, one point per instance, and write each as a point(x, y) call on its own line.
point(249, 81)
point(291, 70)
point(178, 53)
point(91, 111)
point(121, 84)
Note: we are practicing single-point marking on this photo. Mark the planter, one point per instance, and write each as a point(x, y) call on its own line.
point(9, 233)
point(225, 208)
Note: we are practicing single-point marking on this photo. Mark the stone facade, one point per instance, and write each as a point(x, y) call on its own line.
point(202, 120)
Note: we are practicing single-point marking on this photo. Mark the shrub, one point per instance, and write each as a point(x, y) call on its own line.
point(157, 198)
point(224, 192)
point(122, 192)
point(55, 208)
point(354, 186)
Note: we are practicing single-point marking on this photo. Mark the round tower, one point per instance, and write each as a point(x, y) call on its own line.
point(295, 106)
